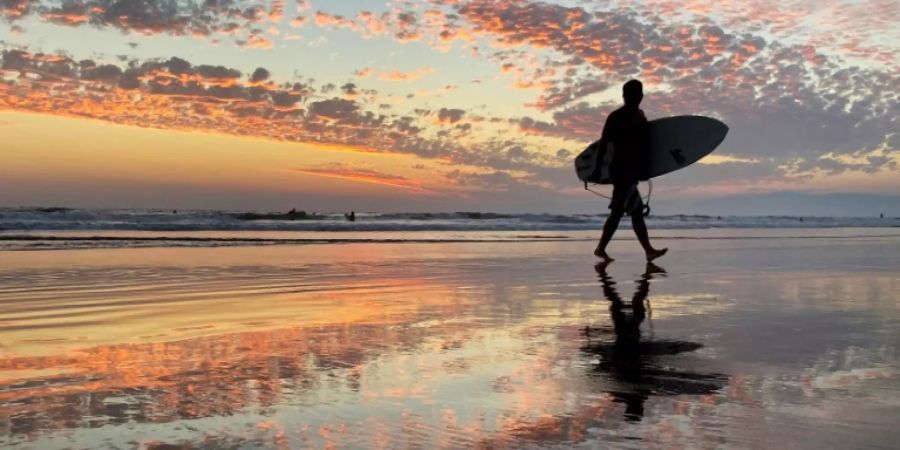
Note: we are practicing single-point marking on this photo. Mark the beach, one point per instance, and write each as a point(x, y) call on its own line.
point(332, 225)
point(754, 338)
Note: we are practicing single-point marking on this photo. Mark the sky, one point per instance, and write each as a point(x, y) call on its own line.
point(432, 105)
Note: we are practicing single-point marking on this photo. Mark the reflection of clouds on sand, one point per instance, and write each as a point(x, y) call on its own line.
point(447, 346)
point(847, 378)
point(498, 378)
point(245, 387)
point(845, 397)
point(688, 305)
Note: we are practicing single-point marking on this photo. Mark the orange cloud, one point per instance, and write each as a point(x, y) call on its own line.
point(14, 9)
point(174, 94)
point(276, 11)
point(372, 24)
point(66, 18)
point(367, 176)
point(396, 75)
point(324, 19)
point(257, 41)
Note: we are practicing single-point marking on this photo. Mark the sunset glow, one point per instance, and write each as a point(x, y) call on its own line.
point(436, 99)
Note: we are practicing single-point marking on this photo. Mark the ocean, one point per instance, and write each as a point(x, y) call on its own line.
point(71, 228)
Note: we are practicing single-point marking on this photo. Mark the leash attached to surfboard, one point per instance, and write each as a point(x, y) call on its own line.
point(646, 200)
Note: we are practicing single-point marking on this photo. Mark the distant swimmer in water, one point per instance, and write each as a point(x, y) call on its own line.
point(351, 216)
point(628, 130)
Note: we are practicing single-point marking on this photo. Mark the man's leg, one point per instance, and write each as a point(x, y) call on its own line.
point(609, 228)
point(640, 229)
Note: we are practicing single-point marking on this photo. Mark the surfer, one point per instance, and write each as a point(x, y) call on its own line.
point(628, 130)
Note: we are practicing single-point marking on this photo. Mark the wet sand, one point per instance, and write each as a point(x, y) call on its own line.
point(738, 343)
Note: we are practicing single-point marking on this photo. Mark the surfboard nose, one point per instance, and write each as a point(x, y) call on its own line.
point(718, 128)
point(715, 129)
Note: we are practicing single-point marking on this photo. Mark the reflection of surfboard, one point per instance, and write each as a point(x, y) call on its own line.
point(675, 143)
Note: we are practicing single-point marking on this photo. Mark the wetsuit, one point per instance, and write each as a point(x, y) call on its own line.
point(628, 130)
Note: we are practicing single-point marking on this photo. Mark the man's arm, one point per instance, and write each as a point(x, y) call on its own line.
point(608, 127)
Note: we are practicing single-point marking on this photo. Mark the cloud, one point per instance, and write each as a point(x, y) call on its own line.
point(133, 93)
point(403, 24)
point(862, 29)
point(798, 98)
point(606, 40)
point(326, 20)
point(337, 108)
point(15, 9)
point(255, 40)
point(569, 90)
point(363, 175)
point(373, 24)
point(803, 103)
point(299, 21)
point(145, 17)
point(350, 89)
point(396, 75)
point(276, 11)
point(259, 75)
point(176, 94)
point(491, 181)
point(450, 116)
point(683, 44)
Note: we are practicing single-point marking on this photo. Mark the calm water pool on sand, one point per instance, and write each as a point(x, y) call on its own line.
point(726, 343)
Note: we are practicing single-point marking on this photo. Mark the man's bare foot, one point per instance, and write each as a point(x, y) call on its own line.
point(601, 253)
point(653, 254)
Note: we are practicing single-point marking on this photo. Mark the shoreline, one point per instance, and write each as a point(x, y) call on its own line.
point(88, 239)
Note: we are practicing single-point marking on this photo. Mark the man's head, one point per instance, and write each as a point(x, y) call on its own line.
point(633, 93)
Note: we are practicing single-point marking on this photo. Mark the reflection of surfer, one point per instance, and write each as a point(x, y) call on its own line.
point(625, 358)
point(630, 362)
point(627, 326)
point(628, 131)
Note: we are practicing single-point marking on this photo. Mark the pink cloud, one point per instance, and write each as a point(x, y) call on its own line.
point(396, 75)
point(299, 21)
point(324, 19)
point(276, 11)
point(364, 175)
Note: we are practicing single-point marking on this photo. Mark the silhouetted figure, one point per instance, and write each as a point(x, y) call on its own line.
point(881, 216)
point(351, 217)
point(623, 359)
point(628, 131)
point(630, 361)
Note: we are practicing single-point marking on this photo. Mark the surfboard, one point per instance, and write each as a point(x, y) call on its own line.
point(675, 143)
